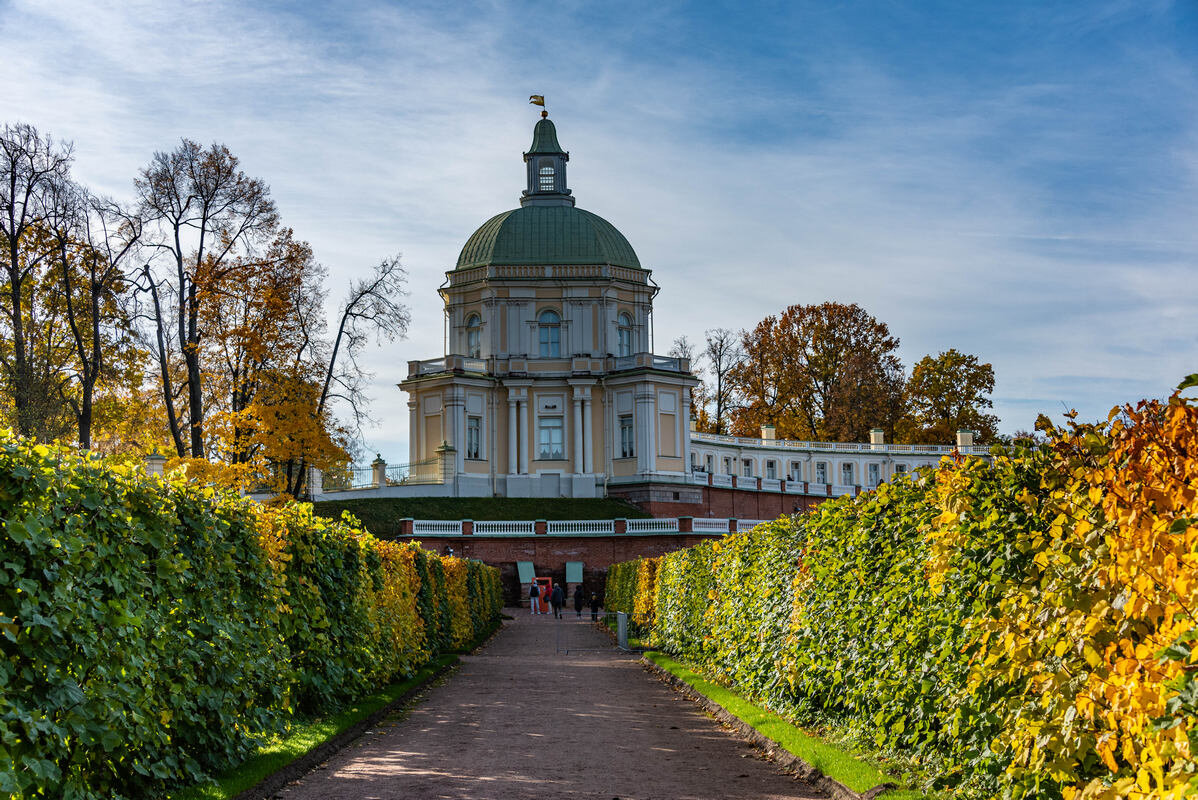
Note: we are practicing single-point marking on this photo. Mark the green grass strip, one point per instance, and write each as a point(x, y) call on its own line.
point(836, 763)
point(305, 734)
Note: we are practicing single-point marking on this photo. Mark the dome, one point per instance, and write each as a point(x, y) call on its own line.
point(547, 235)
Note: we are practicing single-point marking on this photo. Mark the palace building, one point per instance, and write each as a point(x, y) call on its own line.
point(549, 386)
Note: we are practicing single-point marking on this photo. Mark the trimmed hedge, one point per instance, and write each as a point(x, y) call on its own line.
point(153, 632)
point(1017, 628)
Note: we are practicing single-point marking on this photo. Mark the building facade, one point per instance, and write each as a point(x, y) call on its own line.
point(549, 386)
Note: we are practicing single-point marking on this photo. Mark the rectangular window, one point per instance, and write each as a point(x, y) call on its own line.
point(710, 463)
point(796, 472)
point(900, 469)
point(551, 446)
point(627, 444)
point(874, 475)
point(746, 468)
point(846, 475)
point(821, 472)
point(771, 470)
point(728, 465)
point(551, 341)
point(474, 428)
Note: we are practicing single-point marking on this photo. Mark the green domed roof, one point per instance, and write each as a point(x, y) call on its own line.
point(550, 235)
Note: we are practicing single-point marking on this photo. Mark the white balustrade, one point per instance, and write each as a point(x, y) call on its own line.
point(438, 526)
point(722, 480)
point(505, 527)
point(748, 524)
point(709, 525)
point(664, 525)
point(566, 527)
point(770, 485)
point(839, 490)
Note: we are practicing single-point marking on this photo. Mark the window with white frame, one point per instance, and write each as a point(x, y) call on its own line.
point(709, 463)
point(474, 327)
point(846, 474)
point(624, 331)
point(875, 474)
point(627, 443)
point(771, 469)
point(549, 329)
point(728, 466)
point(550, 442)
point(796, 471)
point(900, 469)
point(746, 467)
point(821, 471)
point(546, 178)
point(474, 437)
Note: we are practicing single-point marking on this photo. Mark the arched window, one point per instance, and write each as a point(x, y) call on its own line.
point(549, 326)
point(474, 336)
point(546, 179)
point(625, 332)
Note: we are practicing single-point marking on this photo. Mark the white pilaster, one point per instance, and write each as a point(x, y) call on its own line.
point(414, 433)
point(524, 444)
point(513, 435)
point(456, 411)
point(588, 436)
point(577, 443)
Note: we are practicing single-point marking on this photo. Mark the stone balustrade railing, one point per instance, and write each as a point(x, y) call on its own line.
point(436, 528)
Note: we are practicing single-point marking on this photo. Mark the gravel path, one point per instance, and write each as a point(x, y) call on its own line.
point(519, 720)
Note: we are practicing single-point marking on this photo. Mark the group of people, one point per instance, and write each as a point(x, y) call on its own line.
point(557, 599)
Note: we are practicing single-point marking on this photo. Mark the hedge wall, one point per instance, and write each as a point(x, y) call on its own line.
point(1020, 628)
point(152, 632)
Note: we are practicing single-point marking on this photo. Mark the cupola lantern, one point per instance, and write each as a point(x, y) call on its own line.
point(546, 165)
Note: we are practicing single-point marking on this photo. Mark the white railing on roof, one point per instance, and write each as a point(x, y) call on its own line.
point(836, 447)
point(441, 526)
point(575, 526)
point(664, 525)
point(506, 527)
point(709, 525)
point(748, 524)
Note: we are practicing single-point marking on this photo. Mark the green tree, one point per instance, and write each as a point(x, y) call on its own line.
point(947, 393)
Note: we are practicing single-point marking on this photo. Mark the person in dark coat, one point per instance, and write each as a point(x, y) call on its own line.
point(558, 599)
point(594, 607)
point(534, 595)
point(578, 600)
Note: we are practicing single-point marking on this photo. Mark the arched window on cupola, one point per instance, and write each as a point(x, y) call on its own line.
point(545, 180)
point(474, 326)
point(624, 329)
point(549, 327)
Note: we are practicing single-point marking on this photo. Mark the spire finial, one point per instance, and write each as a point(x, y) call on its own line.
point(544, 114)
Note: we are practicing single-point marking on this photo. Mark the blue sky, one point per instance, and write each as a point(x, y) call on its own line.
point(1016, 180)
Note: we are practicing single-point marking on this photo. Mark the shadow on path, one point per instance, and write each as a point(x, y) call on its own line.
point(520, 720)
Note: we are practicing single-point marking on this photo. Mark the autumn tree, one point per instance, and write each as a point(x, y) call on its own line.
point(826, 372)
point(33, 167)
point(204, 219)
point(722, 354)
point(947, 393)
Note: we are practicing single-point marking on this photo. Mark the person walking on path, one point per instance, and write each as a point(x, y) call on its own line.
point(594, 607)
point(534, 596)
point(558, 599)
point(578, 600)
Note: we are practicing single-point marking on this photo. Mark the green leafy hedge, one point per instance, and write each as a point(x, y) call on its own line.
point(152, 632)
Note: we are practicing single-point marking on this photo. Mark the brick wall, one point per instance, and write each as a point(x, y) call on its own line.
point(713, 501)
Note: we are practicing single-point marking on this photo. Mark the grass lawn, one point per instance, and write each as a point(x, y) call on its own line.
point(305, 734)
point(829, 759)
point(381, 515)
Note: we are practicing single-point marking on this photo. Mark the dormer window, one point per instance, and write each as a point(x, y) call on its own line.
point(473, 336)
point(546, 183)
point(549, 328)
point(624, 323)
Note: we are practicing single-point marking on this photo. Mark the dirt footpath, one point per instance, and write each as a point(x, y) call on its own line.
point(519, 720)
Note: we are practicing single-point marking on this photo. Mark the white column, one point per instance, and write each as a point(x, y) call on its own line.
point(588, 436)
point(684, 419)
point(513, 436)
point(577, 444)
point(457, 421)
point(523, 416)
point(414, 433)
point(646, 441)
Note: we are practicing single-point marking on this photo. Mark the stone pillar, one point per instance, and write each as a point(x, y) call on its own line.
point(588, 436)
point(155, 463)
point(877, 439)
point(414, 435)
point(448, 462)
point(685, 413)
point(315, 483)
point(513, 435)
point(577, 444)
point(467, 527)
point(964, 439)
point(540, 527)
point(769, 432)
point(646, 439)
point(523, 427)
point(380, 471)
point(686, 524)
point(456, 411)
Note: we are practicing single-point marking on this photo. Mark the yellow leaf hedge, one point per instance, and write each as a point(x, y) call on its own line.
point(153, 631)
point(1021, 627)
